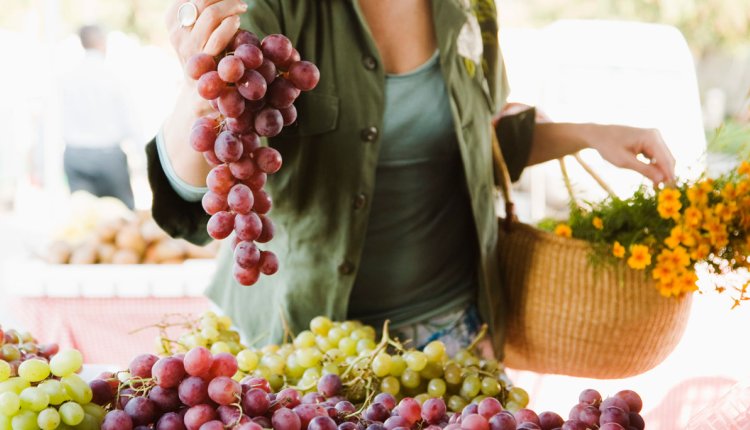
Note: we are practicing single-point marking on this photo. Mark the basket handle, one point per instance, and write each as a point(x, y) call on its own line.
point(501, 170)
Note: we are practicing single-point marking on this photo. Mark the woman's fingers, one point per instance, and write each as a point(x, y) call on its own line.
point(212, 15)
point(223, 34)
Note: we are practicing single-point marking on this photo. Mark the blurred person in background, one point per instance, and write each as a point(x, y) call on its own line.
point(95, 121)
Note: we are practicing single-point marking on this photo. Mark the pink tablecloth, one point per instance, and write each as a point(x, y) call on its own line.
point(101, 328)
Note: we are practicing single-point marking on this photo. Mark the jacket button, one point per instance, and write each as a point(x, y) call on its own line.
point(359, 201)
point(369, 134)
point(346, 268)
point(369, 62)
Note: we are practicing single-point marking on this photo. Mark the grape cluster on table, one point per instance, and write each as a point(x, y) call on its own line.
point(252, 89)
point(41, 390)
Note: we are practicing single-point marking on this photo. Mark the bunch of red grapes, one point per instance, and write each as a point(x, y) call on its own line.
point(252, 89)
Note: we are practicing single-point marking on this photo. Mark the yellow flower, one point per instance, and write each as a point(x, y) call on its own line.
point(665, 288)
point(669, 195)
point(563, 230)
point(598, 223)
point(729, 192)
point(663, 273)
point(686, 282)
point(618, 250)
point(640, 257)
point(669, 210)
point(692, 217)
point(679, 236)
point(744, 168)
point(680, 257)
point(697, 195)
point(701, 252)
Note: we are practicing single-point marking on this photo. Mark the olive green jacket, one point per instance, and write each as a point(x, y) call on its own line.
point(321, 194)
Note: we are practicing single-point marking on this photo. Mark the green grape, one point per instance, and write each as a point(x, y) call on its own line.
point(421, 398)
point(415, 360)
point(512, 407)
point(490, 365)
point(34, 399)
point(235, 347)
point(335, 355)
point(5, 423)
point(431, 371)
point(285, 350)
point(4, 370)
point(271, 348)
point(335, 334)
point(452, 374)
point(519, 396)
point(293, 369)
point(95, 411)
point(331, 369)
point(15, 384)
point(490, 386)
point(369, 332)
point(323, 343)
point(312, 373)
point(348, 346)
point(10, 403)
point(462, 355)
point(247, 360)
point(381, 364)
point(471, 386)
point(210, 333)
point(274, 363)
point(436, 388)
point(225, 323)
point(410, 378)
point(398, 365)
point(220, 346)
point(320, 325)
point(77, 389)
point(88, 423)
point(472, 361)
point(66, 362)
point(365, 345)
point(10, 352)
point(25, 420)
point(71, 413)
point(238, 375)
point(456, 403)
point(263, 372)
point(211, 315)
point(360, 333)
point(229, 336)
point(34, 370)
point(390, 385)
point(276, 381)
point(305, 339)
point(435, 351)
point(48, 419)
point(478, 398)
point(308, 357)
point(349, 326)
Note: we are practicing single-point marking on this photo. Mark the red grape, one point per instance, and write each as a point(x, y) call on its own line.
point(322, 423)
point(250, 142)
point(166, 399)
point(329, 384)
point(170, 421)
point(291, 60)
point(613, 414)
point(276, 47)
point(489, 407)
point(611, 426)
point(202, 138)
point(267, 70)
point(631, 398)
point(377, 412)
point(210, 85)
point(256, 181)
point(304, 75)
point(141, 365)
point(503, 421)
point(615, 401)
point(243, 124)
point(269, 264)
point(433, 410)
point(102, 391)
point(269, 122)
point(550, 420)
point(262, 202)
point(240, 199)
point(117, 420)
point(225, 364)
point(252, 85)
point(475, 422)
point(211, 158)
point(213, 202)
point(244, 37)
point(267, 159)
point(242, 168)
point(228, 147)
point(589, 415)
point(248, 226)
point(525, 415)
point(168, 372)
point(282, 93)
point(220, 225)
point(285, 419)
point(386, 399)
point(198, 415)
point(244, 276)
point(231, 68)
point(141, 410)
point(250, 55)
point(198, 361)
point(193, 391)
point(255, 402)
point(224, 390)
point(289, 115)
point(231, 104)
point(590, 397)
point(199, 64)
point(396, 421)
point(247, 255)
point(220, 179)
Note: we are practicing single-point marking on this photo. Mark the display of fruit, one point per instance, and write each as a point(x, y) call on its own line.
point(39, 387)
point(116, 235)
point(252, 87)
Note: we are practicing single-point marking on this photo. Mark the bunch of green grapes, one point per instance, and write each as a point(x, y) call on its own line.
point(368, 367)
point(208, 330)
point(47, 395)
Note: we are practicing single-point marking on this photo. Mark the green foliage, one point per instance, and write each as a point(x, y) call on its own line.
point(733, 137)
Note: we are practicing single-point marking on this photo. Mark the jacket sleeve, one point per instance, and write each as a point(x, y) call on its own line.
point(516, 133)
point(177, 216)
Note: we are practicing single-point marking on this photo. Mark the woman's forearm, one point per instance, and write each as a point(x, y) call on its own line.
point(554, 140)
point(189, 165)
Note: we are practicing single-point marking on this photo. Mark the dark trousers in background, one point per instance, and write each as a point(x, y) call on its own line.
point(100, 171)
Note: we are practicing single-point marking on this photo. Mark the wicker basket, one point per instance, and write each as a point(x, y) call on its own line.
point(568, 317)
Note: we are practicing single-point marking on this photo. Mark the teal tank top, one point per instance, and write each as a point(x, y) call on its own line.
point(419, 258)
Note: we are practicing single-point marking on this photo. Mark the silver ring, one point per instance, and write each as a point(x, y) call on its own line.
point(187, 14)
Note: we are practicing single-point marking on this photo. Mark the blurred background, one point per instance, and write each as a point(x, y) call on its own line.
point(682, 66)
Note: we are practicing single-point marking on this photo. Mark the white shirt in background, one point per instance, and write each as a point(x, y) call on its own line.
point(94, 109)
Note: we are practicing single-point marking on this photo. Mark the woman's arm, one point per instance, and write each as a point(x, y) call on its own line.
point(620, 145)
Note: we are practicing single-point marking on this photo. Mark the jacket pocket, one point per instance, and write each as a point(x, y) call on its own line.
point(316, 114)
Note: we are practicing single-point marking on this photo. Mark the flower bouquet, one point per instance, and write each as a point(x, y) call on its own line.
point(668, 232)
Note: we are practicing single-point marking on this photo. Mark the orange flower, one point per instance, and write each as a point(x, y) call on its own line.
point(729, 192)
point(701, 252)
point(679, 236)
point(669, 210)
point(618, 250)
point(598, 223)
point(744, 168)
point(692, 217)
point(669, 195)
point(563, 230)
point(680, 257)
point(697, 195)
point(640, 257)
point(663, 273)
point(686, 282)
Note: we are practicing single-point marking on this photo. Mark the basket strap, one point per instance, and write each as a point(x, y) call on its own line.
point(503, 178)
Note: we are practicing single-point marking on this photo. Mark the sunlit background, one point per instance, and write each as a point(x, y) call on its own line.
point(682, 66)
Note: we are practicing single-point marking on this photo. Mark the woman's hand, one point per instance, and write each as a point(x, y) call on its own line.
point(218, 21)
point(622, 146)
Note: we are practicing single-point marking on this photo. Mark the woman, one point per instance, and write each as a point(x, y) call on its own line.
point(383, 208)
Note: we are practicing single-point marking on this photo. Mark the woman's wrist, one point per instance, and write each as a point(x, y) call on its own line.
point(553, 140)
